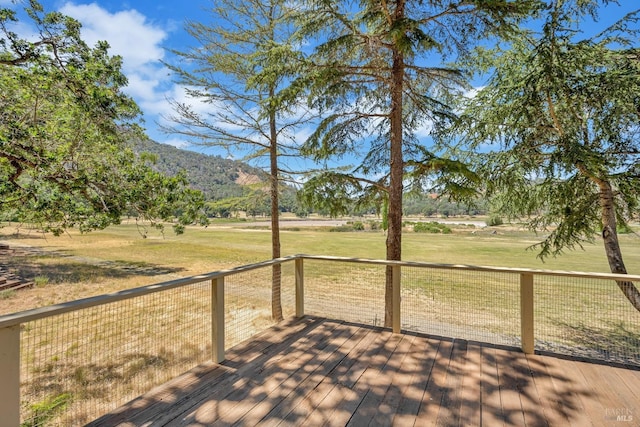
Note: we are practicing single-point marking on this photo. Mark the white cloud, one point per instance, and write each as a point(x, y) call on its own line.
point(471, 93)
point(138, 41)
point(176, 142)
point(302, 134)
point(179, 94)
point(207, 110)
point(128, 32)
point(142, 87)
point(424, 131)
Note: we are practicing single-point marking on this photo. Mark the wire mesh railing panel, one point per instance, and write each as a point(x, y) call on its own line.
point(79, 365)
point(348, 291)
point(76, 366)
point(472, 305)
point(248, 297)
point(589, 318)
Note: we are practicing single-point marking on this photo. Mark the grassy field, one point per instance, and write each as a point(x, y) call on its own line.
point(74, 265)
point(132, 346)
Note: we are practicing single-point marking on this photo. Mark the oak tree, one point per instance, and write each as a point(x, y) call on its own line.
point(65, 127)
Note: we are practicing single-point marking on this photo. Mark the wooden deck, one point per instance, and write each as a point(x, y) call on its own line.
point(316, 371)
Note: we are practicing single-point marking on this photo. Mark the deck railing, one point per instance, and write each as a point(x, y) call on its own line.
point(70, 363)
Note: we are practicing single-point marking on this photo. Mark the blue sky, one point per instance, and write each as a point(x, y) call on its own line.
point(141, 31)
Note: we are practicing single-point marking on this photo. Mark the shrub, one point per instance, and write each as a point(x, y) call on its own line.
point(341, 229)
point(42, 412)
point(494, 220)
point(431, 227)
point(623, 229)
point(7, 294)
point(41, 281)
point(425, 227)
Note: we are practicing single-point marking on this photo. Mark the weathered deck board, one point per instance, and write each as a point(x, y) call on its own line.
point(316, 371)
point(469, 412)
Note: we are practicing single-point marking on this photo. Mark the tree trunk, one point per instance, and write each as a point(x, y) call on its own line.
point(394, 236)
point(276, 272)
point(611, 244)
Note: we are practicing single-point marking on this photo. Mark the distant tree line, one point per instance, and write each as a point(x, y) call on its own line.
point(217, 178)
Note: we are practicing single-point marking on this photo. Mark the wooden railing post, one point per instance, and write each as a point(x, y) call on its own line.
point(299, 266)
point(10, 376)
point(395, 310)
point(217, 319)
point(526, 313)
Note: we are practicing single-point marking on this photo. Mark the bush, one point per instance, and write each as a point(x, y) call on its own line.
point(7, 294)
point(341, 229)
point(623, 229)
point(40, 281)
point(431, 227)
point(425, 227)
point(358, 226)
point(42, 412)
point(494, 220)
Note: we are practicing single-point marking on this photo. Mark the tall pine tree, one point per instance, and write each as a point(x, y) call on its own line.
point(379, 75)
point(562, 111)
point(242, 67)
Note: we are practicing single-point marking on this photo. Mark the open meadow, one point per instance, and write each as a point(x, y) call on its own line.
point(77, 265)
point(70, 361)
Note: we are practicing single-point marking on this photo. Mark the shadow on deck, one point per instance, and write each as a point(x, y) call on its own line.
point(315, 371)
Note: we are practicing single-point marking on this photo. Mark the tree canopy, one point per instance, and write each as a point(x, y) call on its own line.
point(242, 69)
point(380, 76)
point(65, 123)
point(561, 115)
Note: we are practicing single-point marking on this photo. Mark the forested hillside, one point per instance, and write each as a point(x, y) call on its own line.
point(216, 177)
point(227, 182)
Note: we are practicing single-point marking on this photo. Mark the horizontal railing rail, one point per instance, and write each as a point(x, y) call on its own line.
point(28, 361)
point(514, 270)
point(13, 319)
point(529, 286)
point(228, 306)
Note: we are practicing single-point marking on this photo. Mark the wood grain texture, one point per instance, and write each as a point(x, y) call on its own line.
point(316, 371)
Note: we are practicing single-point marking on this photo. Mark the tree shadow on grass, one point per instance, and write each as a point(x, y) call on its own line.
point(66, 270)
point(616, 342)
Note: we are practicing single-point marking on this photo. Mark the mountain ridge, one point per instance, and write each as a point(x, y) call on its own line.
point(217, 177)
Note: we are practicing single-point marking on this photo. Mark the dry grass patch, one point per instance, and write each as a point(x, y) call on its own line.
point(98, 358)
point(81, 365)
point(61, 279)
